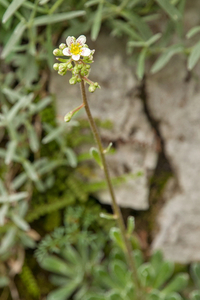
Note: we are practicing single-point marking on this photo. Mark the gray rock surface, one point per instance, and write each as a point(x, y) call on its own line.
point(174, 101)
point(117, 102)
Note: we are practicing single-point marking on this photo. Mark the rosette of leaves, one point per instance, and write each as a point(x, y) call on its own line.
point(156, 277)
point(74, 267)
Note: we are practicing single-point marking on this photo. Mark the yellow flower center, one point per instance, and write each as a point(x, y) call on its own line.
point(75, 49)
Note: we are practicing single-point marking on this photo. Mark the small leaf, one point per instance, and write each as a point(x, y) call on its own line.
point(107, 216)
point(14, 5)
point(173, 296)
point(115, 235)
point(32, 137)
point(10, 151)
point(50, 19)
point(8, 240)
point(53, 134)
point(196, 273)
point(14, 38)
point(195, 295)
point(171, 10)
point(91, 2)
point(192, 32)
point(97, 22)
point(42, 2)
point(108, 148)
point(137, 254)
point(165, 57)
point(176, 284)
point(71, 156)
point(141, 63)
point(164, 273)
point(64, 292)
point(20, 222)
point(153, 39)
point(130, 225)
point(32, 174)
point(3, 212)
point(54, 264)
point(194, 56)
point(13, 197)
point(95, 154)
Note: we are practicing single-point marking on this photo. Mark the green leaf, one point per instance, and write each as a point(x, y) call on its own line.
point(130, 225)
point(120, 271)
point(64, 292)
point(10, 151)
point(157, 260)
point(30, 170)
point(54, 264)
point(13, 197)
point(115, 235)
point(195, 295)
point(192, 32)
point(194, 56)
point(71, 156)
point(196, 273)
point(108, 148)
point(20, 222)
point(146, 274)
point(171, 10)
point(91, 2)
point(163, 274)
point(138, 257)
point(8, 240)
point(173, 296)
point(97, 22)
point(3, 212)
point(94, 152)
point(153, 39)
point(176, 284)
point(165, 58)
point(54, 134)
point(154, 295)
point(50, 19)
point(32, 137)
point(141, 64)
point(15, 4)
point(14, 38)
point(107, 216)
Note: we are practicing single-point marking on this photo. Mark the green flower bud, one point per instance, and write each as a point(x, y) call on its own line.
point(63, 67)
point(62, 46)
point(56, 66)
point(69, 65)
point(57, 52)
point(88, 67)
point(91, 88)
point(73, 80)
point(80, 66)
point(78, 79)
point(96, 85)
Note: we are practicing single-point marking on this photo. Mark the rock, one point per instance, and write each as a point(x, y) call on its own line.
point(174, 101)
point(117, 102)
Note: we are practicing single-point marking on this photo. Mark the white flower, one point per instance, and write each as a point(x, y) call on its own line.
point(76, 48)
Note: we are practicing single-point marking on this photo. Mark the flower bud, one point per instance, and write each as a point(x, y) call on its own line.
point(57, 52)
point(73, 80)
point(97, 85)
point(62, 46)
point(91, 88)
point(56, 66)
point(78, 79)
point(69, 66)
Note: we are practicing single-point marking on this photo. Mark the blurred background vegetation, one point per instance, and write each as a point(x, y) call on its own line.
point(50, 222)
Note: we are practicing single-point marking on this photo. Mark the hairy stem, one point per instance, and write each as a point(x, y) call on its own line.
point(116, 209)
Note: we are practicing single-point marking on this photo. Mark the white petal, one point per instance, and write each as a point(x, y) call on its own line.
point(76, 57)
point(67, 52)
point(69, 40)
point(85, 51)
point(81, 40)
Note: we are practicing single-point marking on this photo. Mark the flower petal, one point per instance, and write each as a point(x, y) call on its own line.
point(81, 40)
point(70, 40)
point(76, 57)
point(67, 52)
point(85, 51)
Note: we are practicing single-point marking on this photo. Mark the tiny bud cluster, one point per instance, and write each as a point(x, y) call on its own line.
point(78, 63)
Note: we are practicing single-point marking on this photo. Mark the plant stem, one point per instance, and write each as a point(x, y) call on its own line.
point(116, 209)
